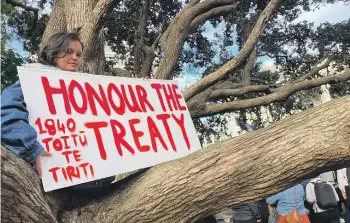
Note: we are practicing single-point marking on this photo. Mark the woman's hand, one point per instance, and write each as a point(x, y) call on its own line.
point(38, 163)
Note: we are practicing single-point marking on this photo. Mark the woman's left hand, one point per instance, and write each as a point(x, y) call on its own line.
point(38, 163)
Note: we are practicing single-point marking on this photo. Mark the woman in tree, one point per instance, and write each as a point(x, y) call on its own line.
point(63, 51)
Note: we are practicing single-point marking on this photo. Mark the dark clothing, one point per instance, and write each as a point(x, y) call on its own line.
point(264, 210)
point(94, 186)
point(246, 212)
point(245, 221)
point(330, 216)
point(347, 215)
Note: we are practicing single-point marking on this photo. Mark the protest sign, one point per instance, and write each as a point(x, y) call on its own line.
point(100, 126)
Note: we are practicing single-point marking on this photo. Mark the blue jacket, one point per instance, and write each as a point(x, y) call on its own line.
point(288, 199)
point(16, 132)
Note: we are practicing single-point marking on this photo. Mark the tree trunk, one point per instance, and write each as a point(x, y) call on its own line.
point(76, 16)
point(245, 168)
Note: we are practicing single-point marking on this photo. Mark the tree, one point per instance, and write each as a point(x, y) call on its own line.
point(198, 185)
point(302, 145)
point(9, 59)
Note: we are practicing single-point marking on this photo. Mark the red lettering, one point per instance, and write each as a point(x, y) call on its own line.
point(92, 171)
point(169, 96)
point(73, 172)
point(50, 126)
point(117, 109)
point(65, 154)
point(83, 165)
point(64, 174)
point(93, 96)
point(154, 133)
point(57, 145)
point(181, 123)
point(71, 125)
point(119, 137)
point(60, 126)
point(40, 126)
point(96, 127)
point(142, 95)
point(83, 140)
point(54, 174)
point(178, 97)
point(66, 146)
point(49, 91)
point(163, 118)
point(74, 137)
point(134, 106)
point(137, 134)
point(84, 103)
point(158, 87)
point(76, 155)
point(46, 142)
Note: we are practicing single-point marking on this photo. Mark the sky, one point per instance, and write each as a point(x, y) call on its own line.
point(332, 13)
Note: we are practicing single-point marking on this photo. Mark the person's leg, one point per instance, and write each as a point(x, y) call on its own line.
point(321, 217)
point(347, 215)
point(245, 221)
point(265, 220)
point(334, 215)
point(341, 199)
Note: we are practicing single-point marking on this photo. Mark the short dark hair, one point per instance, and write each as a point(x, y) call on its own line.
point(57, 43)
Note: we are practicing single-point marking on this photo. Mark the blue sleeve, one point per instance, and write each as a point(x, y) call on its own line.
point(273, 199)
point(16, 132)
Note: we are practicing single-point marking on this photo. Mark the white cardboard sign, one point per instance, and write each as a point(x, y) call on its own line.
point(100, 126)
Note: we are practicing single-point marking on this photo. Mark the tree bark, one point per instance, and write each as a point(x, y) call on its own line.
point(245, 168)
point(56, 23)
point(22, 195)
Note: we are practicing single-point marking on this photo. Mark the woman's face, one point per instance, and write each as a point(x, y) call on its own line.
point(70, 60)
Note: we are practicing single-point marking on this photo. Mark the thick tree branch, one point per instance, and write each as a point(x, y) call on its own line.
point(56, 23)
point(175, 35)
point(20, 186)
point(101, 8)
point(205, 6)
point(91, 34)
point(278, 94)
point(23, 6)
point(212, 13)
point(248, 68)
point(192, 3)
point(140, 49)
point(147, 62)
point(237, 61)
point(27, 8)
point(228, 84)
point(242, 169)
point(225, 93)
